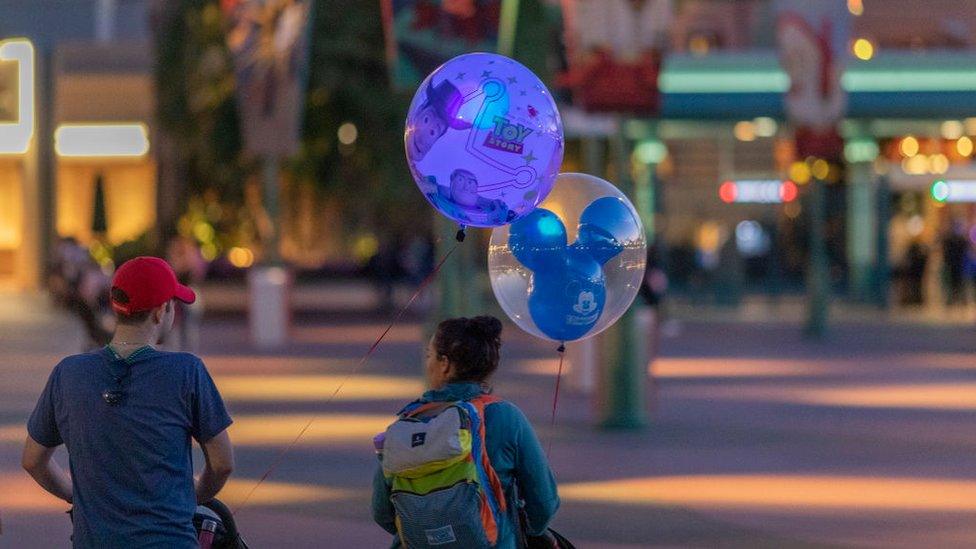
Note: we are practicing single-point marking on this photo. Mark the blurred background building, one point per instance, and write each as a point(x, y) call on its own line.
point(133, 140)
point(87, 170)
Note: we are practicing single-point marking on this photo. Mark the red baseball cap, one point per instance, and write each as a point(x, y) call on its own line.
point(149, 282)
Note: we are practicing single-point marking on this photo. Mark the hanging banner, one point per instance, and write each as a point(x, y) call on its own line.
point(268, 40)
point(423, 34)
point(613, 49)
point(813, 42)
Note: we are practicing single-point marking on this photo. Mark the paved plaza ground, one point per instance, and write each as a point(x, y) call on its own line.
point(757, 438)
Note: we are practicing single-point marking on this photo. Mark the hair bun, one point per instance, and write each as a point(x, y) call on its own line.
point(487, 327)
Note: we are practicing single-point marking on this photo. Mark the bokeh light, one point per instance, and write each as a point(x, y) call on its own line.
point(348, 133)
point(745, 131)
point(242, 258)
point(788, 191)
point(650, 152)
point(916, 165)
point(863, 49)
point(727, 192)
point(909, 146)
point(938, 164)
point(800, 173)
point(820, 169)
point(792, 210)
point(765, 126)
point(952, 129)
point(964, 146)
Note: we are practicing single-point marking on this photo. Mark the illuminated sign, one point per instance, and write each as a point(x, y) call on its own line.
point(101, 140)
point(758, 191)
point(954, 190)
point(16, 95)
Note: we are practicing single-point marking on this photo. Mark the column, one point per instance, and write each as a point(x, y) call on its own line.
point(862, 215)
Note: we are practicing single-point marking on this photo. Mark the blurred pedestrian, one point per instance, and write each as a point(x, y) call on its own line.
point(913, 273)
point(971, 267)
point(652, 290)
point(954, 247)
point(191, 269)
point(79, 284)
point(386, 269)
point(418, 259)
point(655, 282)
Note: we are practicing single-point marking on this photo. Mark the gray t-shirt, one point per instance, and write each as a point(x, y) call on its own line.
point(131, 463)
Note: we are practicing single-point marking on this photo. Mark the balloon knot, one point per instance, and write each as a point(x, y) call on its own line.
point(561, 348)
point(460, 235)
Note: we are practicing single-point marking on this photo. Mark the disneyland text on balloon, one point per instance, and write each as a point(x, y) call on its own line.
point(506, 136)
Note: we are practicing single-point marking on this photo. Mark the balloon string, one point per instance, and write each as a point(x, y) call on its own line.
point(555, 399)
point(281, 455)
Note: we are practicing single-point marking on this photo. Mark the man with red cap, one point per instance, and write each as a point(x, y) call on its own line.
point(126, 414)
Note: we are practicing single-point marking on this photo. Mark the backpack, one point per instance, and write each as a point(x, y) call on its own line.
point(443, 488)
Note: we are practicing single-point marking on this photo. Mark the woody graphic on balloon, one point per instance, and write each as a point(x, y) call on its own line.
point(472, 158)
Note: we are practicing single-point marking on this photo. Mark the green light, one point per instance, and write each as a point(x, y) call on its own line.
point(650, 152)
point(859, 80)
point(760, 72)
point(940, 190)
point(860, 150)
point(853, 80)
point(704, 81)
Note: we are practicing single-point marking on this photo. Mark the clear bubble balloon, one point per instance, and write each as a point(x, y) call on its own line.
point(569, 269)
point(484, 140)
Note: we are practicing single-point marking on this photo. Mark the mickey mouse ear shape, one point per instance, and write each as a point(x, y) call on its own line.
point(598, 242)
point(614, 216)
point(538, 240)
point(605, 225)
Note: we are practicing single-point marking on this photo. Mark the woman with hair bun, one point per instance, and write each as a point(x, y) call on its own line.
point(462, 356)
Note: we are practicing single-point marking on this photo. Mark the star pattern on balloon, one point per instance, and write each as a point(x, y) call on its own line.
point(452, 107)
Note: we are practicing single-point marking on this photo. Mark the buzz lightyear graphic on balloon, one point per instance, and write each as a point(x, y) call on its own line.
point(483, 140)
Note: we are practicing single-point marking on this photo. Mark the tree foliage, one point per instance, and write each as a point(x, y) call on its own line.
point(195, 95)
point(348, 81)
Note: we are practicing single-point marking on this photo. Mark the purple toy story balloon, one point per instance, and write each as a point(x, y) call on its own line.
point(484, 140)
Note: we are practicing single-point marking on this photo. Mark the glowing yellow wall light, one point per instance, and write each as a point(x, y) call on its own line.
point(101, 140)
point(15, 137)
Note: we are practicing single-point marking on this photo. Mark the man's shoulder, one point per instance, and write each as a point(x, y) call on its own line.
point(187, 361)
point(179, 356)
point(80, 360)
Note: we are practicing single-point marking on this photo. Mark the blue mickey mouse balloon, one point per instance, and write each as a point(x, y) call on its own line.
point(566, 302)
point(573, 266)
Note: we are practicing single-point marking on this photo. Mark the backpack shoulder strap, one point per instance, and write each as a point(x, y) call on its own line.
point(418, 408)
point(479, 403)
